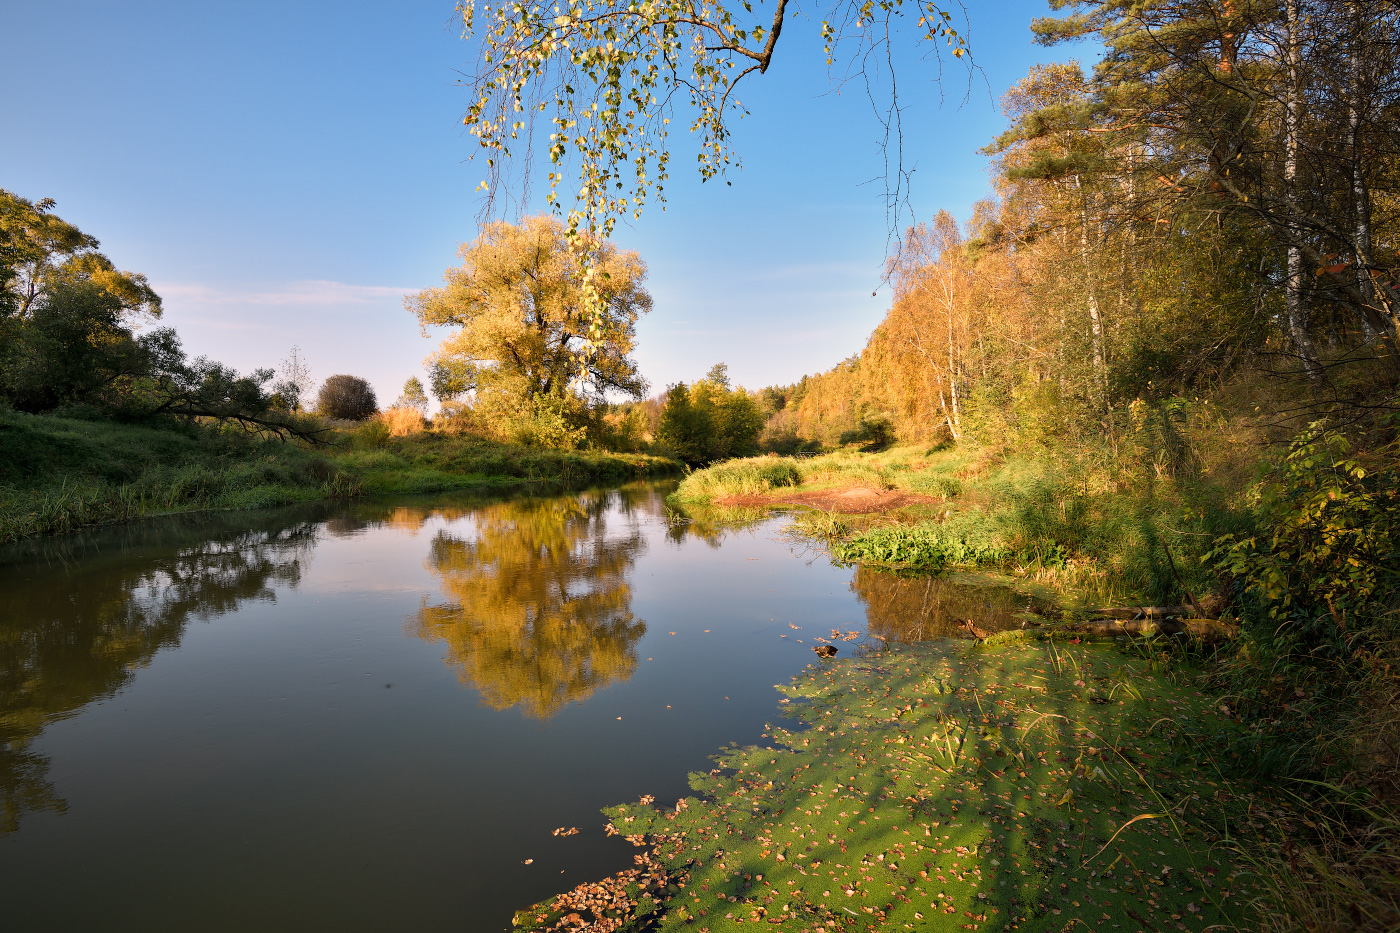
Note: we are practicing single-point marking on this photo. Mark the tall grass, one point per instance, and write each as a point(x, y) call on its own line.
point(430, 461)
point(1062, 519)
point(753, 476)
point(58, 474)
point(72, 504)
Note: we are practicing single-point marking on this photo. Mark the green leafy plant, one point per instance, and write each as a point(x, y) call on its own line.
point(1329, 548)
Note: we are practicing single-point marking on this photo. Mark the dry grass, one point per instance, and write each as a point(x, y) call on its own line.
point(403, 421)
point(1344, 879)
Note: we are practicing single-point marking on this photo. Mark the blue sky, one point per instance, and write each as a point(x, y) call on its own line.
point(285, 172)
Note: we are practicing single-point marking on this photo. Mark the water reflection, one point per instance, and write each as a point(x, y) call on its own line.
point(67, 639)
point(911, 609)
point(711, 523)
point(539, 607)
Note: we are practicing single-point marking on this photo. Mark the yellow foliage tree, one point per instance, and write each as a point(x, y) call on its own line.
point(544, 329)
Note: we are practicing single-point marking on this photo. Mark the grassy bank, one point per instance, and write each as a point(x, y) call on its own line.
point(1023, 785)
point(1089, 528)
point(432, 462)
point(60, 474)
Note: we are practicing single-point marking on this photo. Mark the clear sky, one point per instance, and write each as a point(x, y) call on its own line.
point(284, 172)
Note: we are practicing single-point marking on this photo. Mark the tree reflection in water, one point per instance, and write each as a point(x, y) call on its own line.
point(69, 639)
point(908, 609)
point(539, 607)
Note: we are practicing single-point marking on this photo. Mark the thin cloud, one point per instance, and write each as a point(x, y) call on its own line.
point(308, 293)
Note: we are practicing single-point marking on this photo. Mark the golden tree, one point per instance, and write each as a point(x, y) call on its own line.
point(544, 326)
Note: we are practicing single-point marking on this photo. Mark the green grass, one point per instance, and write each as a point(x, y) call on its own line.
point(1033, 786)
point(929, 547)
point(60, 474)
point(909, 468)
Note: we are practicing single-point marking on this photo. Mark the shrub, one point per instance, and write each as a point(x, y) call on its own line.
point(347, 397)
point(1320, 597)
point(457, 418)
point(373, 433)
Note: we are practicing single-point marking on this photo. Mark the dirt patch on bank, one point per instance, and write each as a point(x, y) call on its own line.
point(851, 500)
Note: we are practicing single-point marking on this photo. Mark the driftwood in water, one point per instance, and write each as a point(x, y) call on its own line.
point(1204, 629)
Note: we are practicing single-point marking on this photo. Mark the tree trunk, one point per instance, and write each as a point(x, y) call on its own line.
point(1360, 193)
point(1296, 310)
point(956, 411)
point(1095, 317)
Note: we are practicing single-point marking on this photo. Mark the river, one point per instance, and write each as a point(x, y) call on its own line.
point(374, 715)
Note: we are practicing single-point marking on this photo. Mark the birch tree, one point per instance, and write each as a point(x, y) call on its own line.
point(610, 76)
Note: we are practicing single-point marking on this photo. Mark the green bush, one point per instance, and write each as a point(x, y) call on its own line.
point(1320, 597)
point(871, 433)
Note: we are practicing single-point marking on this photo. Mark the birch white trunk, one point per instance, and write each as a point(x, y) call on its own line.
point(1095, 317)
point(1361, 199)
point(1295, 310)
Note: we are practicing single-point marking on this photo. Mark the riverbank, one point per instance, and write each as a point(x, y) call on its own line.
point(1020, 785)
point(1285, 543)
point(1090, 531)
point(61, 474)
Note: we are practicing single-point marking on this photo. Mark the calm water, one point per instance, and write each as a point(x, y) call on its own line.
point(370, 716)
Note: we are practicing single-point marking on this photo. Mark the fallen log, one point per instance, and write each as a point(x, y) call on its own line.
point(1141, 612)
point(1210, 606)
point(1204, 629)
